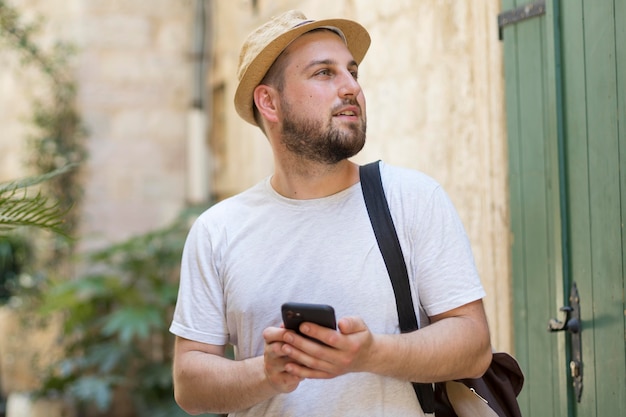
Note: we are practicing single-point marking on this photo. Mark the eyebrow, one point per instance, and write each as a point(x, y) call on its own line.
point(328, 62)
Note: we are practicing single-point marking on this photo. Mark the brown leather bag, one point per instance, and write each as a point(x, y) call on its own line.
point(492, 395)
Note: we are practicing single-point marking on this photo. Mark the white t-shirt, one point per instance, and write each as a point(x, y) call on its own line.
point(247, 255)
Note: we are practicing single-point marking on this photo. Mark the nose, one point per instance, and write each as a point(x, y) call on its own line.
point(349, 86)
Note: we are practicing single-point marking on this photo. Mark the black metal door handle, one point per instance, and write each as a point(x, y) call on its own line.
point(572, 324)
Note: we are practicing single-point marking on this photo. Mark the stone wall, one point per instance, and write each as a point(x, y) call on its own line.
point(135, 92)
point(133, 70)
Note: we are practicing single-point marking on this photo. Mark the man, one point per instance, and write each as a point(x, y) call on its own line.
point(304, 235)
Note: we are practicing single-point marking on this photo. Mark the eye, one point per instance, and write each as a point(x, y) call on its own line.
point(324, 72)
point(355, 74)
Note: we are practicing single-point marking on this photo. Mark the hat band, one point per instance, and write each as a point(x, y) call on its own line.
point(331, 28)
point(303, 23)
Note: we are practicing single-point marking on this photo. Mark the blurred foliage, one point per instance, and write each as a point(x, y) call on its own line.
point(58, 140)
point(116, 320)
point(15, 253)
point(18, 207)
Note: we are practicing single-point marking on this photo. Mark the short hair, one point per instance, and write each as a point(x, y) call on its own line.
point(275, 75)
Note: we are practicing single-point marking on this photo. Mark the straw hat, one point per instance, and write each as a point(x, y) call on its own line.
point(265, 44)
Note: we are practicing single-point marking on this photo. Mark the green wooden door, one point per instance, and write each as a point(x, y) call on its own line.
point(565, 77)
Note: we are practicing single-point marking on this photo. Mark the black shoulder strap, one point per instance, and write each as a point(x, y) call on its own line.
point(389, 245)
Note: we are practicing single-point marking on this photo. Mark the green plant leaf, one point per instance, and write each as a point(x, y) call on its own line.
point(107, 358)
point(157, 375)
point(130, 322)
point(93, 389)
point(80, 294)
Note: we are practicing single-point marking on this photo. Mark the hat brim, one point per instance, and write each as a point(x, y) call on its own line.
point(357, 41)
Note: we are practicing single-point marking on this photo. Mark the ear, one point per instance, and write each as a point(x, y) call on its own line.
point(265, 99)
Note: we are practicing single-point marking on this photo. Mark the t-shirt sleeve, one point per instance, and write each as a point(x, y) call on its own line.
point(446, 275)
point(199, 313)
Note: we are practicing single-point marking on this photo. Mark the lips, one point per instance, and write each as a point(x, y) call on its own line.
point(351, 111)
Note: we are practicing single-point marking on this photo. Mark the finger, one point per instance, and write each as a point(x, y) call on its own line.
point(273, 334)
point(280, 379)
point(274, 350)
point(318, 333)
point(304, 372)
point(349, 325)
point(274, 366)
point(312, 360)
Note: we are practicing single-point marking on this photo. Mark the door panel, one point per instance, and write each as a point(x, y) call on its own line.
point(536, 232)
point(594, 165)
point(565, 78)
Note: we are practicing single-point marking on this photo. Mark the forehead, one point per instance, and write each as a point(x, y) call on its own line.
point(318, 44)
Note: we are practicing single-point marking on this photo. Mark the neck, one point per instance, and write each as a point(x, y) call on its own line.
point(304, 180)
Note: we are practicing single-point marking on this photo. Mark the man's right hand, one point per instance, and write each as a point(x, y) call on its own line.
point(276, 362)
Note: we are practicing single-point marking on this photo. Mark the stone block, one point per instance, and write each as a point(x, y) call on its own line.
point(21, 404)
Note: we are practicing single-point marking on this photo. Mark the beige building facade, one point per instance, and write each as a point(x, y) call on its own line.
point(433, 80)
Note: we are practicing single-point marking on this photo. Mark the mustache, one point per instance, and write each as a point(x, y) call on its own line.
point(346, 102)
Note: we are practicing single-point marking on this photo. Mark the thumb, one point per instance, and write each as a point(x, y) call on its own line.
point(348, 325)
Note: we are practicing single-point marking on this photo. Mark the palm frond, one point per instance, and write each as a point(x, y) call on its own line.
point(22, 210)
point(9, 187)
point(18, 208)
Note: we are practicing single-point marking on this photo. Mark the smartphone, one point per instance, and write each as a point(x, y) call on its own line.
point(295, 314)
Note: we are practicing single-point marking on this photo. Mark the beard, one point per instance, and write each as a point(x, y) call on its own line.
point(314, 141)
